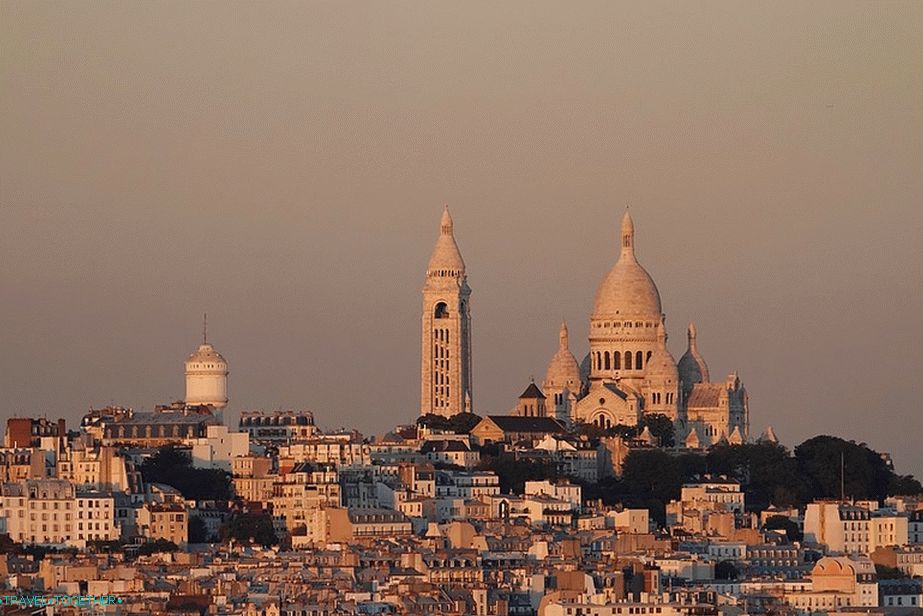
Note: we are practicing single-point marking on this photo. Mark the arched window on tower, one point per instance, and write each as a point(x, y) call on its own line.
point(606, 360)
point(617, 360)
point(648, 359)
point(639, 359)
point(627, 360)
point(599, 360)
point(442, 311)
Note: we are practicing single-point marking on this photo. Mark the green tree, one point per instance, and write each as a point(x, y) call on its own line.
point(173, 467)
point(661, 428)
point(904, 485)
point(865, 473)
point(513, 473)
point(885, 572)
point(250, 527)
point(767, 472)
point(160, 545)
point(726, 570)
point(198, 532)
point(780, 522)
point(463, 423)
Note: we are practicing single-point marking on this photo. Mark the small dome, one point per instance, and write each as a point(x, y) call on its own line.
point(446, 255)
point(662, 366)
point(563, 369)
point(207, 354)
point(692, 366)
point(627, 290)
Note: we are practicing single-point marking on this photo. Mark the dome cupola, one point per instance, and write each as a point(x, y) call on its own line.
point(627, 290)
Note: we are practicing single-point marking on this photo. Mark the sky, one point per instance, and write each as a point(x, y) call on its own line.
point(283, 167)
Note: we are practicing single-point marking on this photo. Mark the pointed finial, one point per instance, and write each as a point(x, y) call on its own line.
point(204, 328)
point(628, 234)
point(446, 225)
point(563, 335)
point(690, 335)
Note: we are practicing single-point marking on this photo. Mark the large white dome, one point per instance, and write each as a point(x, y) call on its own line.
point(627, 290)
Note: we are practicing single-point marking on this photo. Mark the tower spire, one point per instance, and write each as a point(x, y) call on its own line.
point(628, 235)
point(563, 336)
point(204, 328)
point(690, 337)
point(447, 225)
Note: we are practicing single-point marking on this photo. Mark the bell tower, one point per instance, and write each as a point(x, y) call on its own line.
point(445, 376)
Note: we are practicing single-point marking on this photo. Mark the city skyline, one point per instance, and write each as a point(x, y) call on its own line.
point(776, 188)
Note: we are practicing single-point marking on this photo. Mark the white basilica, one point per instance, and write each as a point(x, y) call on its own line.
point(628, 372)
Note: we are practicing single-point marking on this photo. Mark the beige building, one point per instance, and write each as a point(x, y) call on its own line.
point(168, 521)
point(852, 529)
point(630, 371)
point(52, 512)
point(446, 350)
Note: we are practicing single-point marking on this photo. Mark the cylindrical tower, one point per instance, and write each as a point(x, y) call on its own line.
point(207, 377)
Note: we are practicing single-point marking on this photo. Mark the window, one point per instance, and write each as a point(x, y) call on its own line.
point(441, 311)
point(627, 360)
point(638, 359)
point(606, 360)
point(617, 360)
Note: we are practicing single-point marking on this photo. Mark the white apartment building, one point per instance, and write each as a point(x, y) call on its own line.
point(850, 529)
point(52, 512)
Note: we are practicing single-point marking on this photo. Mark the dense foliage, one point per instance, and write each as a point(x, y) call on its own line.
point(780, 522)
point(198, 533)
point(462, 423)
point(174, 468)
point(514, 473)
point(769, 475)
point(660, 426)
point(154, 547)
point(250, 528)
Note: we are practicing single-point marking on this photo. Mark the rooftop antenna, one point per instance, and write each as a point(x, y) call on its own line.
point(842, 478)
point(204, 328)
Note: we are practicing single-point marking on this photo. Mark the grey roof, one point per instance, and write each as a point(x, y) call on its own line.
point(614, 389)
point(515, 423)
point(532, 392)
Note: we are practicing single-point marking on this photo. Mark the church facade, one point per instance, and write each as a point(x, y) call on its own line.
point(628, 372)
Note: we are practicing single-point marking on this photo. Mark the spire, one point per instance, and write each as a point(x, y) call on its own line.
point(446, 226)
point(563, 336)
point(204, 328)
point(446, 260)
point(690, 336)
point(628, 235)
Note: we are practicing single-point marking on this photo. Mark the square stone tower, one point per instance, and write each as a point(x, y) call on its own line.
point(445, 375)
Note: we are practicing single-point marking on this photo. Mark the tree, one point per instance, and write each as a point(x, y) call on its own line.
point(514, 473)
point(153, 547)
point(904, 485)
point(767, 472)
point(433, 421)
point(198, 532)
point(885, 572)
point(780, 522)
point(661, 428)
point(250, 527)
point(460, 423)
point(463, 423)
point(174, 468)
point(726, 570)
point(865, 473)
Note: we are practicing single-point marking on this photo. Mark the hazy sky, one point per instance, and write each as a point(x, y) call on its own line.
point(283, 166)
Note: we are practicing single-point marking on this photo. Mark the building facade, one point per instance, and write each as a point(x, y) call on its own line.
point(446, 350)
